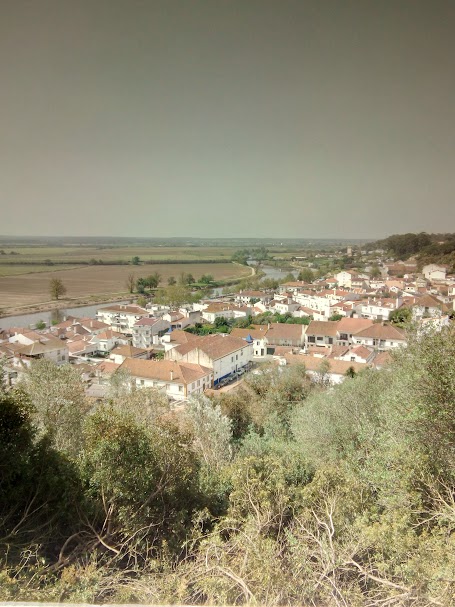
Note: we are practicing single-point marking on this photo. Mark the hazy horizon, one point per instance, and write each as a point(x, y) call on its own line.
point(205, 119)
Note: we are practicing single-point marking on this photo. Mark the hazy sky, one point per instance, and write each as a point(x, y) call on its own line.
point(227, 117)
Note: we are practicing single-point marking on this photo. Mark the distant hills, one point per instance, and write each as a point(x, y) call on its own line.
point(427, 248)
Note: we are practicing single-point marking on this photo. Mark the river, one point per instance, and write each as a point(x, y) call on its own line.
point(30, 320)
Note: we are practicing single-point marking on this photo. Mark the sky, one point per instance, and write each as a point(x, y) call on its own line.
point(227, 118)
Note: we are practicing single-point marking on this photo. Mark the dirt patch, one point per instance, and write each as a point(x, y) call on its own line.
point(96, 282)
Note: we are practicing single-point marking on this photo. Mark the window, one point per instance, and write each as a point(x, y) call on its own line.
point(168, 386)
point(142, 382)
point(232, 359)
point(180, 388)
point(319, 338)
point(236, 357)
point(352, 359)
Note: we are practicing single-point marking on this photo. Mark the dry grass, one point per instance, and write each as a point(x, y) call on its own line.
point(89, 281)
point(85, 253)
point(13, 270)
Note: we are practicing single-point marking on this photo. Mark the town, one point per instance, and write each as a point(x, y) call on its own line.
point(334, 326)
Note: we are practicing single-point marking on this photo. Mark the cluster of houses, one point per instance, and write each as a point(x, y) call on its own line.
point(347, 331)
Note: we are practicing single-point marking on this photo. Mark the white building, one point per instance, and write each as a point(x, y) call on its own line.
point(121, 317)
point(179, 380)
point(378, 309)
point(224, 354)
point(47, 347)
point(433, 271)
point(380, 337)
point(108, 340)
point(148, 331)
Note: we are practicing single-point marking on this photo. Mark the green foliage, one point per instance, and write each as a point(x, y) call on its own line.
point(39, 488)
point(40, 325)
point(286, 491)
point(141, 301)
point(403, 245)
point(336, 317)
point(401, 317)
point(306, 275)
point(135, 260)
point(56, 288)
point(58, 401)
point(144, 478)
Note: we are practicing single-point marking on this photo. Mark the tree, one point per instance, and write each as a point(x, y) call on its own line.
point(174, 296)
point(206, 279)
point(336, 317)
point(135, 261)
point(141, 284)
point(130, 282)
point(40, 325)
point(306, 275)
point(171, 281)
point(375, 271)
point(212, 431)
point(289, 277)
point(400, 317)
point(153, 280)
point(56, 288)
point(57, 395)
point(141, 301)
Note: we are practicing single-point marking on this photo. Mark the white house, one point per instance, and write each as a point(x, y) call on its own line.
point(121, 317)
point(358, 354)
point(427, 306)
point(148, 331)
point(121, 353)
point(378, 309)
point(223, 353)
point(224, 310)
point(380, 337)
point(345, 278)
point(433, 271)
point(108, 340)
point(179, 380)
point(335, 370)
point(47, 347)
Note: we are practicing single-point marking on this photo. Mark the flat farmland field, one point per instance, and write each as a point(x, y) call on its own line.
point(16, 270)
point(87, 281)
point(75, 254)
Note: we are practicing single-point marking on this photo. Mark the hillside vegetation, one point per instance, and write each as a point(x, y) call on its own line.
point(428, 248)
point(287, 492)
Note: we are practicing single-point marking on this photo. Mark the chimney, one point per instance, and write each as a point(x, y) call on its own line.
point(172, 375)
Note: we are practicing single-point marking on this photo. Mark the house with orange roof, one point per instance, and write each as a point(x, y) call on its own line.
point(381, 337)
point(224, 354)
point(107, 340)
point(336, 371)
point(121, 353)
point(179, 380)
point(45, 347)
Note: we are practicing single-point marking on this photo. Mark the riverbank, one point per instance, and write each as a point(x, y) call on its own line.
point(60, 305)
